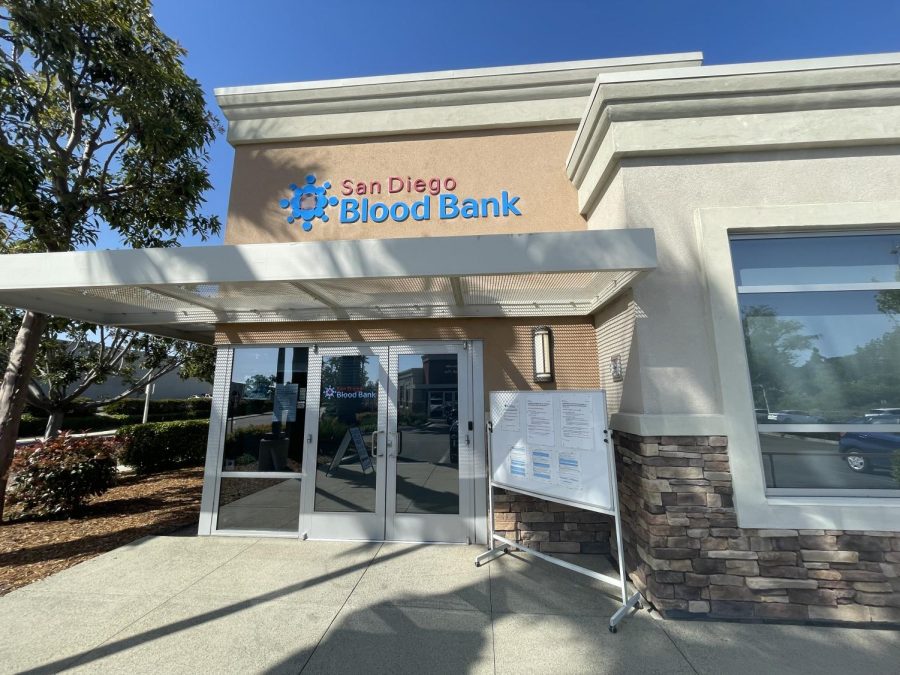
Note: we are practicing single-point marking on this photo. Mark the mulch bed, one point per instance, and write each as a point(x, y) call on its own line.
point(137, 507)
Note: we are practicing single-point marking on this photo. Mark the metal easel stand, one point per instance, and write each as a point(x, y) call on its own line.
point(507, 545)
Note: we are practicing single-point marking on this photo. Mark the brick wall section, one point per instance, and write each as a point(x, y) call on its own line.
point(550, 527)
point(687, 554)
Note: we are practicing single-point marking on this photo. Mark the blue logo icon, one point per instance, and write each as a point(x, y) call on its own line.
point(309, 202)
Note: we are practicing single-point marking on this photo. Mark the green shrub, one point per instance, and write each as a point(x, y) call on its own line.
point(56, 477)
point(30, 425)
point(367, 422)
point(34, 426)
point(170, 408)
point(161, 445)
point(244, 442)
point(125, 406)
point(331, 433)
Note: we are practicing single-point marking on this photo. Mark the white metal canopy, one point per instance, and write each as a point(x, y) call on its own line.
point(185, 292)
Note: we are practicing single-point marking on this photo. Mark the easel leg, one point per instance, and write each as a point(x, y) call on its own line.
point(620, 613)
point(493, 554)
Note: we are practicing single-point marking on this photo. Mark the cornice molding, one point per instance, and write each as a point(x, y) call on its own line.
point(815, 103)
point(543, 94)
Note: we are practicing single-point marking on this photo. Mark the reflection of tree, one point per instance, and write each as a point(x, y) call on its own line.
point(888, 301)
point(259, 386)
point(868, 377)
point(837, 387)
point(773, 347)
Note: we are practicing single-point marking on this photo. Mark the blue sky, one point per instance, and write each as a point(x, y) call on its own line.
point(236, 42)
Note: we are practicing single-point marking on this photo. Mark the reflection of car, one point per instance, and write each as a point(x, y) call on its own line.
point(875, 412)
point(794, 417)
point(868, 450)
point(454, 441)
point(762, 415)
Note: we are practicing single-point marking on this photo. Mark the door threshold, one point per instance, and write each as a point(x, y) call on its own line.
point(393, 541)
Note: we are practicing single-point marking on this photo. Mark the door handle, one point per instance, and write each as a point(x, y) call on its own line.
point(375, 442)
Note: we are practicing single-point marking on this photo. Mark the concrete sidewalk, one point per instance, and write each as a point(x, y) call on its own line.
point(233, 605)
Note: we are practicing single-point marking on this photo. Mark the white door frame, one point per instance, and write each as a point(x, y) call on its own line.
point(432, 527)
point(342, 525)
point(473, 464)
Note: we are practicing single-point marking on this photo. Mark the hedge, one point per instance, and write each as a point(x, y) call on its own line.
point(163, 445)
point(182, 407)
point(32, 425)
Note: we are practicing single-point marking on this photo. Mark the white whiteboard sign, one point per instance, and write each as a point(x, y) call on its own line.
point(552, 444)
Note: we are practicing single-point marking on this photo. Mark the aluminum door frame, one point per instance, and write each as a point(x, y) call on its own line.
point(448, 528)
point(350, 525)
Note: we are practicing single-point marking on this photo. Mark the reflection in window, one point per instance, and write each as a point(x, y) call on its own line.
point(427, 434)
point(259, 504)
point(348, 415)
point(266, 406)
point(821, 357)
point(835, 259)
point(824, 355)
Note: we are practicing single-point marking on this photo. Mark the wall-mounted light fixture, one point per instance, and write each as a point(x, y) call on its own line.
point(542, 351)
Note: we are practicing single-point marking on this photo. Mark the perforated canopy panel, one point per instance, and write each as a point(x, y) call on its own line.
point(186, 292)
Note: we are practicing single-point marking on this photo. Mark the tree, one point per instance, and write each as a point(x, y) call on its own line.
point(101, 127)
point(74, 355)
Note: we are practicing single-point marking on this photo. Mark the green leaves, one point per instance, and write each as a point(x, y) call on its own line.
point(56, 477)
point(162, 445)
point(73, 355)
point(99, 126)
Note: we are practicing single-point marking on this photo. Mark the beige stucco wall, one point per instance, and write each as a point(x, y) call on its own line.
point(528, 163)
point(507, 344)
point(615, 337)
point(609, 212)
point(673, 328)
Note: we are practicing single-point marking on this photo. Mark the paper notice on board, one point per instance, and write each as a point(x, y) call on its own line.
point(570, 470)
point(518, 463)
point(577, 413)
point(510, 419)
point(542, 466)
point(284, 405)
point(539, 421)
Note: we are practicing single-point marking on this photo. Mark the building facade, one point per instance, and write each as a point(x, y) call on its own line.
point(717, 247)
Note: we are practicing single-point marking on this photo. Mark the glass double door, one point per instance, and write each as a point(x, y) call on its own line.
point(388, 444)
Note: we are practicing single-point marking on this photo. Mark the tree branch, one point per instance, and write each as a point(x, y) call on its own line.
point(143, 381)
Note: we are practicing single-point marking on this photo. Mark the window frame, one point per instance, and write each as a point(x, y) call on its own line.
point(819, 288)
point(226, 473)
point(756, 505)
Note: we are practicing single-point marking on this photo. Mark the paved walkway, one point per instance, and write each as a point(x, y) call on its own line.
point(234, 605)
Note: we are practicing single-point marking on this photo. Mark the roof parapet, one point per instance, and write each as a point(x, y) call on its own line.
point(453, 100)
point(751, 107)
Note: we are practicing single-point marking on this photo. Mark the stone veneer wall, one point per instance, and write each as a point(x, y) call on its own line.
point(550, 527)
point(687, 555)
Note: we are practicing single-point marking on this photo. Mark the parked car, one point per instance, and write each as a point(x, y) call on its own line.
point(865, 451)
point(794, 417)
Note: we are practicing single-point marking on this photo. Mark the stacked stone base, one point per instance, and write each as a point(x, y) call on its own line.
point(688, 556)
point(550, 527)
